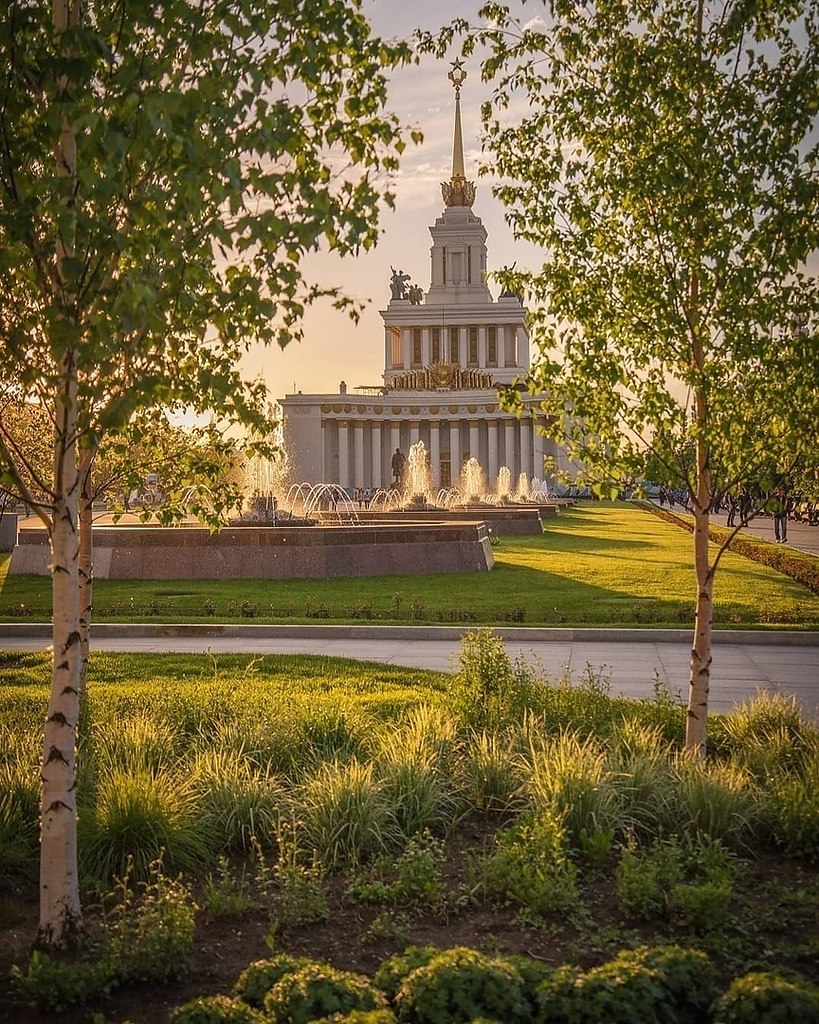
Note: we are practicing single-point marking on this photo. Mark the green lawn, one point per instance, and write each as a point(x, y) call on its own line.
point(596, 564)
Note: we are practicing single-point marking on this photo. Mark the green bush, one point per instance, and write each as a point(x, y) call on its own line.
point(149, 937)
point(689, 881)
point(416, 877)
point(317, 991)
point(489, 691)
point(258, 978)
point(530, 867)
point(58, 984)
point(767, 998)
point(650, 985)
point(460, 985)
point(215, 1010)
point(391, 973)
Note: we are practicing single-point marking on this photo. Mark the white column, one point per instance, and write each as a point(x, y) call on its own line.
point(454, 451)
point(406, 347)
point(426, 347)
point(343, 455)
point(473, 440)
point(523, 347)
point(388, 348)
point(435, 454)
point(376, 456)
point(358, 471)
point(415, 431)
point(492, 462)
point(511, 457)
point(526, 445)
point(482, 347)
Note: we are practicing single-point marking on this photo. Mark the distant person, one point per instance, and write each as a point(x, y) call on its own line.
point(746, 506)
point(780, 515)
point(731, 504)
point(397, 464)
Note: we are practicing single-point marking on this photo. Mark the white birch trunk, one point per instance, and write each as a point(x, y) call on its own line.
point(60, 911)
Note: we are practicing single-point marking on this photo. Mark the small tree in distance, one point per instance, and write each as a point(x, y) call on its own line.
point(666, 162)
point(164, 168)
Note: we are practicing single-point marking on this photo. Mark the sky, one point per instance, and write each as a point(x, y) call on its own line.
point(335, 348)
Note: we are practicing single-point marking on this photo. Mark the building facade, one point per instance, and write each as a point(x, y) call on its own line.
point(446, 352)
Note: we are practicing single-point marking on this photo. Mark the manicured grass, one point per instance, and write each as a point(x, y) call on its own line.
point(597, 564)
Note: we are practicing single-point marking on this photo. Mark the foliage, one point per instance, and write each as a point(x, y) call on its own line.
point(383, 1016)
point(670, 311)
point(149, 934)
point(767, 998)
point(317, 991)
point(58, 984)
point(258, 978)
point(690, 882)
point(347, 818)
point(459, 985)
point(415, 878)
point(393, 971)
point(530, 867)
point(652, 985)
point(489, 691)
point(215, 1010)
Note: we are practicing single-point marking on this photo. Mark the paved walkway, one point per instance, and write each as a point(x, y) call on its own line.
point(800, 535)
point(632, 660)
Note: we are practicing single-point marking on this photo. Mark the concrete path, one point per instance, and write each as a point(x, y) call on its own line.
point(632, 660)
point(801, 536)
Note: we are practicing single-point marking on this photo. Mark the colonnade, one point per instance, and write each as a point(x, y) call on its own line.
point(499, 346)
point(358, 450)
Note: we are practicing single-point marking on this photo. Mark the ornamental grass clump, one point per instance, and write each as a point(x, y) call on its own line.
point(238, 802)
point(770, 736)
point(720, 801)
point(19, 818)
point(488, 774)
point(317, 991)
point(416, 784)
point(138, 816)
point(346, 816)
point(460, 985)
point(567, 778)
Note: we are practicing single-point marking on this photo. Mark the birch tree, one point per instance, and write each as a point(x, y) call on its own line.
point(663, 153)
point(164, 168)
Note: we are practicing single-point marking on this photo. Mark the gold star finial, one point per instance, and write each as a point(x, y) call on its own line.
point(457, 75)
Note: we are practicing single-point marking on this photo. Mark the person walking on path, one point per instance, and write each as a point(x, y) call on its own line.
point(780, 515)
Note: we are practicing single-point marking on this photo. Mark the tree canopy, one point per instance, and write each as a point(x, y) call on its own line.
point(664, 156)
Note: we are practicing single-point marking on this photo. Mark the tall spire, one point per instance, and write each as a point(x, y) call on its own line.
point(458, 191)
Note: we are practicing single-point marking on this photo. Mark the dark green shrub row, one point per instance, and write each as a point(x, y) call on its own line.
point(660, 985)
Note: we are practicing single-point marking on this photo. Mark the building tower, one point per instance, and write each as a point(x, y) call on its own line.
point(446, 351)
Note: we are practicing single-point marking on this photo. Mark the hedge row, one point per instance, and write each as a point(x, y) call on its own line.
point(425, 985)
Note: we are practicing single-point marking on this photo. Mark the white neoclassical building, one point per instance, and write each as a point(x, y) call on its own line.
point(446, 351)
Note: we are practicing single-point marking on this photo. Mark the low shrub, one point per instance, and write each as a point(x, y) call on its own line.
point(650, 985)
point(317, 991)
point(530, 867)
point(149, 934)
point(391, 972)
point(763, 997)
point(461, 985)
point(258, 978)
point(216, 1010)
point(415, 878)
point(58, 984)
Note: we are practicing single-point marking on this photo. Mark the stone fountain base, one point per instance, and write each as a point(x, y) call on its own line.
point(320, 552)
point(503, 519)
